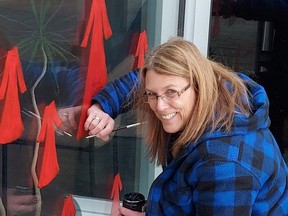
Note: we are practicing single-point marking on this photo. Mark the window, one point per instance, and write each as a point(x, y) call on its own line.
point(48, 35)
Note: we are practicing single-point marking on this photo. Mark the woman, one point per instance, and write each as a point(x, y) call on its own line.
point(207, 127)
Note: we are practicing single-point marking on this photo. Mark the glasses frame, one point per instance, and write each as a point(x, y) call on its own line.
point(179, 93)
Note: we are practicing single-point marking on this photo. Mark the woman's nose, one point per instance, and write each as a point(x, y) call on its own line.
point(161, 104)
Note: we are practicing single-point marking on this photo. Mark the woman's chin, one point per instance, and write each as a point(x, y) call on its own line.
point(171, 128)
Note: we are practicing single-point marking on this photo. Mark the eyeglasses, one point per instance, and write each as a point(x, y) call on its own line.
point(168, 96)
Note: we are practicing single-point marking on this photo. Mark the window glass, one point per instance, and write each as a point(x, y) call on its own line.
point(48, 35)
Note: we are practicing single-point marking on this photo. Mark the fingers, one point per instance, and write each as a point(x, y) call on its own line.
point(128, 212)
point(72, 121)
point(102, 128)
point(99, 123)
point(70, 118)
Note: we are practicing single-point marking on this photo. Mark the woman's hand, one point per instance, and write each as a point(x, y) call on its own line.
point(127, 212)
point(70, 118)
point(99, 123)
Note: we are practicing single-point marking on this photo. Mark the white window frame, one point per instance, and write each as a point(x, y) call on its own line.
point(196, 23)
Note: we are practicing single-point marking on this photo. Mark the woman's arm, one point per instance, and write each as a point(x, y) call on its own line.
point(115, 94)
point(108, 104)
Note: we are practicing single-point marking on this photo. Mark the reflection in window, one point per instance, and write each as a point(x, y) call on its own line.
point(48, 35)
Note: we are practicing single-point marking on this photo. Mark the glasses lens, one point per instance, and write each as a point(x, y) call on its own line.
point(169, 95)
point(145, 98)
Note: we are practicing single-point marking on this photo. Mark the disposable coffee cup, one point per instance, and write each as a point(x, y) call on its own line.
point(134, 201)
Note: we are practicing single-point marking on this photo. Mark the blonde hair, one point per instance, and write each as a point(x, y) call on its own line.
point(219, 94)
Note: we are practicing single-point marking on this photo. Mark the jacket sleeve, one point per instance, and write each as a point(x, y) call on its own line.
point(71, 82)
point(114, 95)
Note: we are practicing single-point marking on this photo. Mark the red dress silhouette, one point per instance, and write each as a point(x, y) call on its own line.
point(115, 195)
point(68, 208)
point(11, 125)
point(99, 27)
point(142, 48)
point(49, 167)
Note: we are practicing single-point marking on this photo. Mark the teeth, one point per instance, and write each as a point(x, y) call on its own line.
point(169, 116)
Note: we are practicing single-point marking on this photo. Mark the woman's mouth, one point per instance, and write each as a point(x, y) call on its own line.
point(168, 116)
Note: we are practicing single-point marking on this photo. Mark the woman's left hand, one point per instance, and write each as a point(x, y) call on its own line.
point(127, 212)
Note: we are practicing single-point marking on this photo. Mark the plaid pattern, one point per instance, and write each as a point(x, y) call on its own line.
point(240, 173)
point(113, 97)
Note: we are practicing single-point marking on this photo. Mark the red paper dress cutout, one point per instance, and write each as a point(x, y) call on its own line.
point(11, 125)
point(98, 25)
point(49, 168)
point(134, 43)
point(115, 195)
point(68, 208)
point(142, 48)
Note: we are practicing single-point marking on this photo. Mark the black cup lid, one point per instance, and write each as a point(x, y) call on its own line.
point(134, 197)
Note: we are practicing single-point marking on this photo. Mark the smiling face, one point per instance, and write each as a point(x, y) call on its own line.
point(173, 113)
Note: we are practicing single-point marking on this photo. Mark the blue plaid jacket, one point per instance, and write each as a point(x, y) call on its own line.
point(237, 173)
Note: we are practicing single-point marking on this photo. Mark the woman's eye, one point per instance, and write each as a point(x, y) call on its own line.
point(150, 94)
point(171, 92)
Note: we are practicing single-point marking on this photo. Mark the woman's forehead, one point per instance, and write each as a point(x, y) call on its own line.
point(154, 79)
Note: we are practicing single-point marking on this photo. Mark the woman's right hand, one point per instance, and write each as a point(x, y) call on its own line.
point(99, 123)
point(127, 212)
